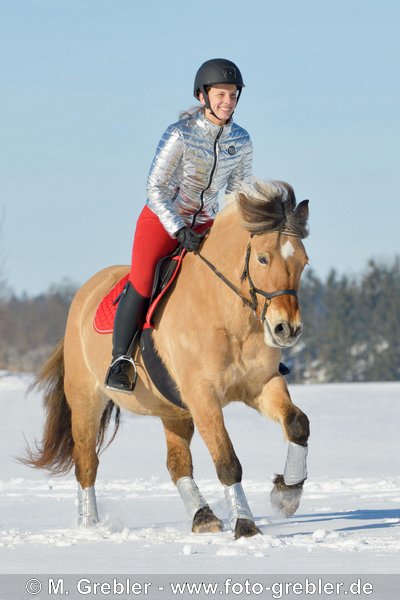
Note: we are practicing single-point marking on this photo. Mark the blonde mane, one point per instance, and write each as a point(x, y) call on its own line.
point(267, 206)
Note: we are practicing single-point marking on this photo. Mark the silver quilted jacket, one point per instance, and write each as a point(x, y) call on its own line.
point(195, 159)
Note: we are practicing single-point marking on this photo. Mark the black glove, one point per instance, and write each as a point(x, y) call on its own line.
point(189, 239)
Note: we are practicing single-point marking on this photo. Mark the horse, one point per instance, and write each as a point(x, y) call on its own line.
point(219, 332)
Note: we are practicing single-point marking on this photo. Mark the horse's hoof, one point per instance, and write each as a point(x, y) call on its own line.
point(246, 528)
point(206, 522)
point(285, 499)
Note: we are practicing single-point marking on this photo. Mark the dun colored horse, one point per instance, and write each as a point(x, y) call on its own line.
point(220, 338)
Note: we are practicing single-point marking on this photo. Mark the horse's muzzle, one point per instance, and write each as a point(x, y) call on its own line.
point(282, 334)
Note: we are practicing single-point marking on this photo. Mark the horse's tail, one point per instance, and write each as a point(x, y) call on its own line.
point(55, 452)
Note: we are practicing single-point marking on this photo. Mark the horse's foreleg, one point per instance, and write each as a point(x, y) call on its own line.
point(207, 415)
point(275, 402)
point(178, 434)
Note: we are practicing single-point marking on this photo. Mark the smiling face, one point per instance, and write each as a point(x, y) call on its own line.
point(223, 100)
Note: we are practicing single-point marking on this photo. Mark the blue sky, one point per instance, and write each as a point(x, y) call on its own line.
point(88, 86)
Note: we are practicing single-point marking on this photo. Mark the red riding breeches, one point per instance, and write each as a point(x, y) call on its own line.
point(151, 243)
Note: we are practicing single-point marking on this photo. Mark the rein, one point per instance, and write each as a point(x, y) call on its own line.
point(252, 303)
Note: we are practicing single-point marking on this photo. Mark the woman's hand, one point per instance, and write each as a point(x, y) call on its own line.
point(189, 239)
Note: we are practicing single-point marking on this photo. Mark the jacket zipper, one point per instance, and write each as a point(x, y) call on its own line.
point(196, 214)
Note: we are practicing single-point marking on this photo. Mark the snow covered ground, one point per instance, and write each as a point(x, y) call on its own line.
point(348, 521)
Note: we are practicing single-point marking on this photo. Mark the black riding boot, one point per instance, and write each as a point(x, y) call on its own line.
point(128, 322)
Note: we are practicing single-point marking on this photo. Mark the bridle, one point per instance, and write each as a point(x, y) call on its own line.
point(252, 303)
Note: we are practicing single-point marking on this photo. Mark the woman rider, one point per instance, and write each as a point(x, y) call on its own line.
point(196, 157)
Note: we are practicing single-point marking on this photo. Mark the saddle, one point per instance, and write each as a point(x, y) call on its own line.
point(165, 274)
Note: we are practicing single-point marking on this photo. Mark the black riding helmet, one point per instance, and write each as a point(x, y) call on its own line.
point(217, 70)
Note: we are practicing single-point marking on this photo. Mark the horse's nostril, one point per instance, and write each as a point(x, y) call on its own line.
point(297, 331)
point(282, 330)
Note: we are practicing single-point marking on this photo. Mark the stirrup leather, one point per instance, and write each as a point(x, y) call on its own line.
point(130, 360)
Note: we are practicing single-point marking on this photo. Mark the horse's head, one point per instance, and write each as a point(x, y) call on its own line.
point(275, 257)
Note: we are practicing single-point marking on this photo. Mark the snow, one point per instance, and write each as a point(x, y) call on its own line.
point(348, 521)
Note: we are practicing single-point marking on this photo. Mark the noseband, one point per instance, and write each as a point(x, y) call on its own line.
point(252, 303)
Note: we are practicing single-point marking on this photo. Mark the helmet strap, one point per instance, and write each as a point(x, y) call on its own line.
point(207, 100)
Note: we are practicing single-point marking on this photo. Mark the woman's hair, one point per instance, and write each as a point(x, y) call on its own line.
point(189, 112)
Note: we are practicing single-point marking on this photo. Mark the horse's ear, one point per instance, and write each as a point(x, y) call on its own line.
point(302, 211)
point(243, 203)
point(241, 198)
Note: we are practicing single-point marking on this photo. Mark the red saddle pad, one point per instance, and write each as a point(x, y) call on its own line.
point(104, 318)
point(103, 321)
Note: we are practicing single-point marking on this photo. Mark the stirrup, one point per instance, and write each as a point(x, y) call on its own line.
point(130, 360)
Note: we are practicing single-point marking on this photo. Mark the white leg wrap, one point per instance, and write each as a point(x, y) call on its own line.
point(191, 496)
point(296, 464)
point(238, 507)
point(87, 506)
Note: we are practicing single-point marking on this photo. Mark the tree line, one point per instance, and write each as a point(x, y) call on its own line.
point(31, 326)
point(351, 326)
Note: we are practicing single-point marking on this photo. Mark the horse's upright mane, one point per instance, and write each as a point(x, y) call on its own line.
point(271, 206)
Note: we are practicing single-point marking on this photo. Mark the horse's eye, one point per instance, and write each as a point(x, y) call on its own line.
point(262, 259)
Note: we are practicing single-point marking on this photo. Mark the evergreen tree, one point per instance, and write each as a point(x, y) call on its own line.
point(381, 299)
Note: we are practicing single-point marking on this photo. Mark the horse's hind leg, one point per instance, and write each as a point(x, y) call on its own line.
point(86, 417)
point(178, 434)
point(275, 402)
point(86, 463)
